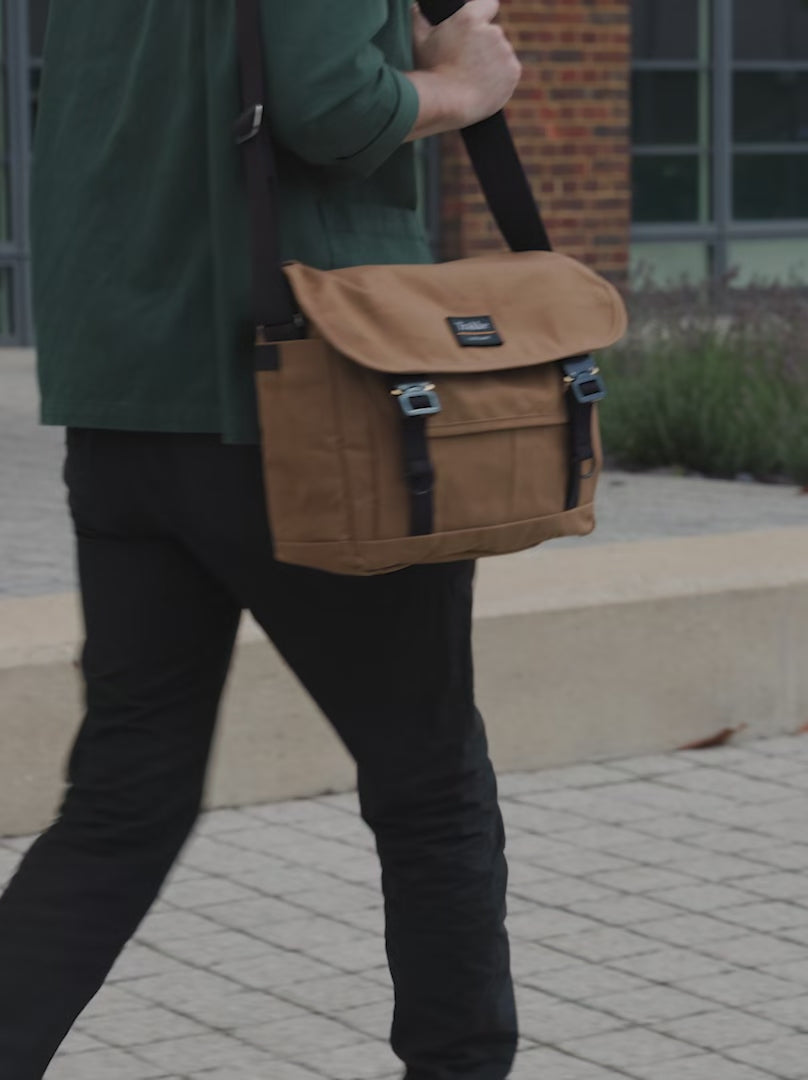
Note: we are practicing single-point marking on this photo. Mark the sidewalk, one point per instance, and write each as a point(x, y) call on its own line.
point(659, 916)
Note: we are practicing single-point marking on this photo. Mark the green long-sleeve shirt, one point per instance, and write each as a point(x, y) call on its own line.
point(141, 266)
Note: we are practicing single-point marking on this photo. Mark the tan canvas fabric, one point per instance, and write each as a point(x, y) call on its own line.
point(332, 441)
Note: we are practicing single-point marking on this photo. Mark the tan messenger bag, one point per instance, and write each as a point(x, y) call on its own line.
point(423, 414)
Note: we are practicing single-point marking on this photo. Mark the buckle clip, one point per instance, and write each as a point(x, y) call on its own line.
point(584, 379)
point(249, 124)
point(417, 399)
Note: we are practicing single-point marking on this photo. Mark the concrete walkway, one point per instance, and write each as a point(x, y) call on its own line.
point(659, 917)
point(36, 547)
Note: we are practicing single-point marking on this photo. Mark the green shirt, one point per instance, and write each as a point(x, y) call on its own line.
point(141, 265)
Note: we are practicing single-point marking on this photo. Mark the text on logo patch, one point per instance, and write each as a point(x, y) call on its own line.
point(475, 331)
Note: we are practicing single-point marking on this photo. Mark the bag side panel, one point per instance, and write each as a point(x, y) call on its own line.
point(302, 446)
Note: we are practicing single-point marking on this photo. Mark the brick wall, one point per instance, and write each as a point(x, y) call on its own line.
point(570, 119)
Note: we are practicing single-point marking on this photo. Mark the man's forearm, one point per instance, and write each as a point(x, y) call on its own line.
point(443, 105)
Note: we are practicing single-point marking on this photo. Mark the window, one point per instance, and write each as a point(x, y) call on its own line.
point(720, 160)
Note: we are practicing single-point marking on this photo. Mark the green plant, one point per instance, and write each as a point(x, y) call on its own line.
point(716, 383)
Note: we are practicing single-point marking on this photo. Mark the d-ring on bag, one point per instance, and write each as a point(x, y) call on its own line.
point(418, 414)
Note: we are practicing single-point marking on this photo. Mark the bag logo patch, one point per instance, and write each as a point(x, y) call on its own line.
point(475, 331)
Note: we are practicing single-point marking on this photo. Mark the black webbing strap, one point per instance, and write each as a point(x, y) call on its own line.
point(420, 475)
point(499, 169)
point(584, 388)
point(274, 309)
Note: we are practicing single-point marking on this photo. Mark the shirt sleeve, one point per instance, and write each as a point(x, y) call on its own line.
point(335, 99)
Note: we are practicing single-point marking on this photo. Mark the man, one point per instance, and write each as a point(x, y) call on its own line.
point(142, 290)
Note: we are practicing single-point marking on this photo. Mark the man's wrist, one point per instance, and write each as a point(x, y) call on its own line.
point(445, 105)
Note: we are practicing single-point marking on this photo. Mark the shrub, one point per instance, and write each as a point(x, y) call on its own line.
point(714, 382)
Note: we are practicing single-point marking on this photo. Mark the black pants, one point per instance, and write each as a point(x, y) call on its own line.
point(172, 546)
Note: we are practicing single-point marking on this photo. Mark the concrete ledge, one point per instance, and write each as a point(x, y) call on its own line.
point(583, 653)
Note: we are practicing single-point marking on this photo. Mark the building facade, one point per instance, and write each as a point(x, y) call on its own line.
point(663, 137)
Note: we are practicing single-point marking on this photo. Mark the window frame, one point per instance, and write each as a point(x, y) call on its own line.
point(723, 229)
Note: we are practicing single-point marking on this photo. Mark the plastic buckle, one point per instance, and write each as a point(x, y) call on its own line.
point(418, 399)
point(249, 124)
point(583, 378)
point(588, 387)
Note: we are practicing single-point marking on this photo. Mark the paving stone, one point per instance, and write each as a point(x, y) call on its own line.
point(528, 957)
point(241, 1008)
point(271, 1069)
point(756, 950)
point(295, 1039)
point(102, 1065)
point(725, 782)
point(785, 857)
point(140, 1026)
point(588, 803)
point(201, 892)
point(79, 1042)
point(700, 1067)
point(719, 1029)
point(352, 955)
point(543, 922)
point(718, 867)
point(643, 879)
point(580, 980)
point(606, 944)
point(554, 1021)
point(795, 971)
point(212, 949)
point(167, 926)
point(786, 885)
point(649, 1005)
point(306, 934)
point(670, 826)
point(373, 1021)
point(628, 1047)
point(272, 968)
point(603, 837)
point(767, 916)
point(545, 1063)
point(669, 964)
point(582, 862)
point(251, 914)
point(365, 1061)
point(336, 994)
point(727, 841)
point(538, 819)
point(690, 929)
point(741, 987)
point(562, 890)
point(138, 960)
point(200, 1052)
point(339, 898)
point(110, 1000)
point(705, 897)
point(650, 765)
point(177, 989)
point(625, 910)
point(786, 1056)
point(793, 1012)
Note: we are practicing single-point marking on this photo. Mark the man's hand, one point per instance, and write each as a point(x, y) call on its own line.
point(466, 69)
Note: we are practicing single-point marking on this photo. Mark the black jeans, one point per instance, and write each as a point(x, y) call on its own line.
point(172, 546)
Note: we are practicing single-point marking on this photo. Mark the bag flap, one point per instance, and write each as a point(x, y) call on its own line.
point(542, 306)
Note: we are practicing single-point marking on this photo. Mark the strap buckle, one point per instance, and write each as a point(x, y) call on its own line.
point(417, 399)
point(584, 379)
point(249, 124)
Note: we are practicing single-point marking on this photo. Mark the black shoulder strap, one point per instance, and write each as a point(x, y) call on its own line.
point(490, 146)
